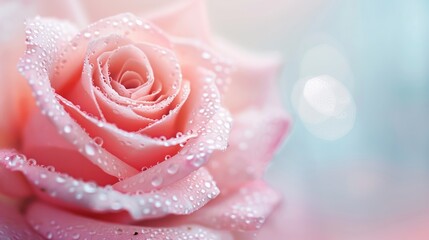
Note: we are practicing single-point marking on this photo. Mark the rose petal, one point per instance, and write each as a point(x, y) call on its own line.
point(255, 137)
point(253, 79)
point(245, 210)
point(43, 44)
point(182, 197)
point(12, 184)
point(124, 25)
point(13, 225)
point(15, 95)
point(137, 150)
point(53, 223)
point(67, 10)
point(205, 117)
point(102, 50)
point(191, 53)
point(286, 224)
point(112, 7)
point(51, 149)
point(166, 72)
point(186, 19)
point(194, 154)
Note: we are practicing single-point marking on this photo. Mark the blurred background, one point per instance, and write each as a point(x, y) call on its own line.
point(356, 83)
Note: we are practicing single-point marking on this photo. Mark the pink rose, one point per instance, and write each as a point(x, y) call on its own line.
point(146, 123)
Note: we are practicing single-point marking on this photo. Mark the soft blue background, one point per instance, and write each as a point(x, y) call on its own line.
point(379, 172)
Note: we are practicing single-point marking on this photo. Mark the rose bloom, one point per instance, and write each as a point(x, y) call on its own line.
point(140, 127)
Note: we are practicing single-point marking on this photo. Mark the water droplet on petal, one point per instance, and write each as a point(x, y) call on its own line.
point(205, 55)
point(60, 179)
point(90, 149)
point(51, 168)
point(32, 162)
point(99, 141)
point(67, 129)
point(156, 181)
point(119, 231)
point(90, 188)
point(173, 168)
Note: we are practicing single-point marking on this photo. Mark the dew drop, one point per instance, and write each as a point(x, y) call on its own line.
point(50, 168)
point(205, 55)
point(119, 231)
point(156, 181)
point(173, 168)
point(116, 206)
point(99, 141)
point(90, 149)
point(32, 162)
point(198, 162)
point(60, 179)
point(87, 35)
point(90, 188)
point(67, 129)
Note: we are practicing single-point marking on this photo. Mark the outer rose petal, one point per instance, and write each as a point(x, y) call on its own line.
point(45, 219)
point(277, 227)
point(70, 10)
point(94, 11)
point(13, 183)
point(255, 137)
point(245, 210)
point(254, 75)
point(13, 225)
point(186, 19)
point(254, 79)
point(182, 197)
point(51, 149)
point(15, 95)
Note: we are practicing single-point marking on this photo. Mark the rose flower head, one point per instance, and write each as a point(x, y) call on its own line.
point(141, 126)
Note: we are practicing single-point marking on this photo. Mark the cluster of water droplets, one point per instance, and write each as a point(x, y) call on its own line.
point(46, 46)
point(167, 188)
point(191, 157)
point(254, 137)
point(245, 210)
point(182, 197)
point(34, 66)
point(54, 229)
